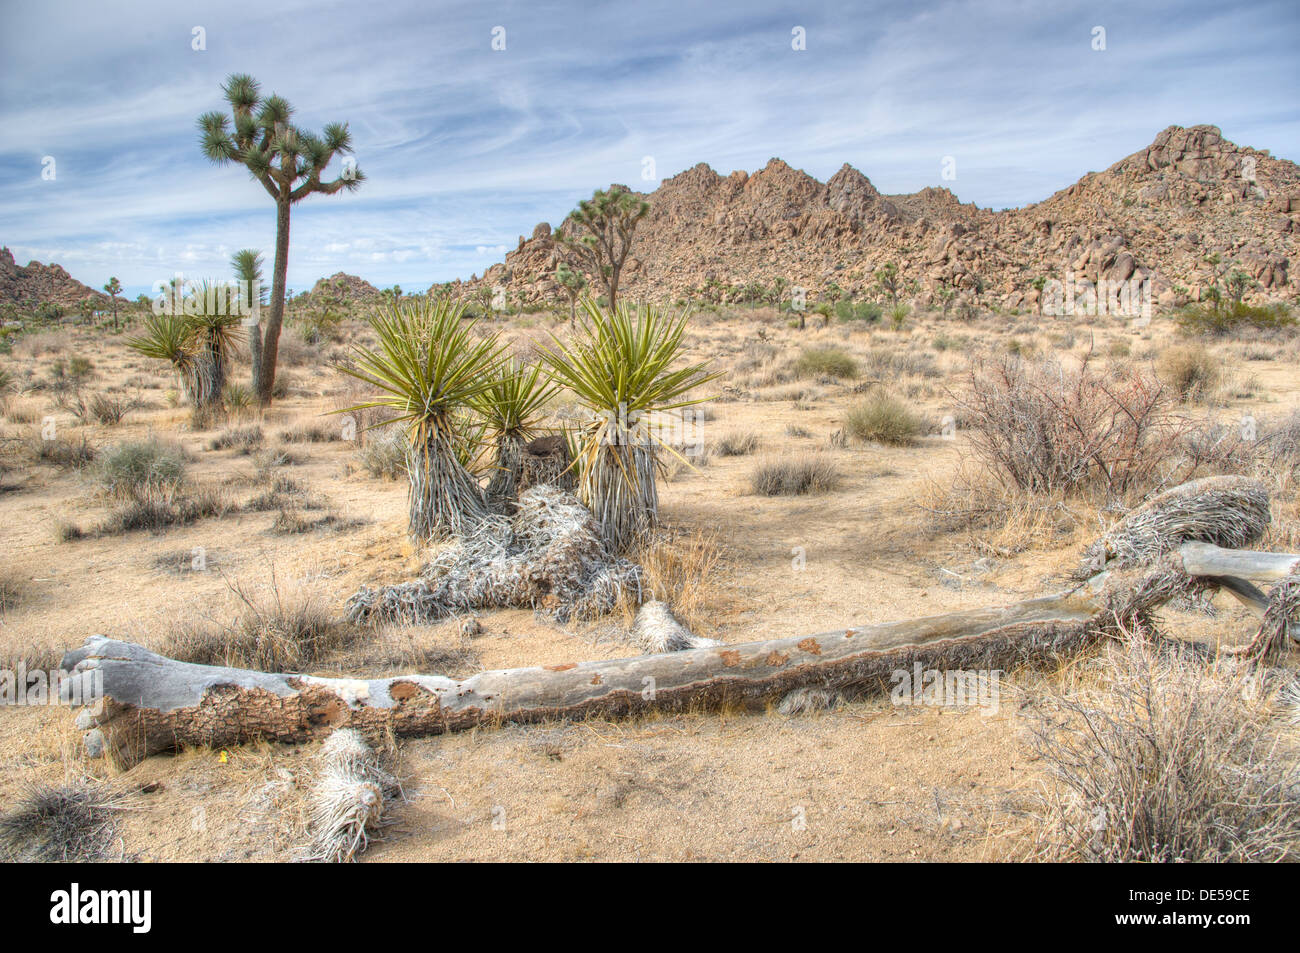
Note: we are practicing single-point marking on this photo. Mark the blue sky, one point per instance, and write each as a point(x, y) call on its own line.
point(466, 147)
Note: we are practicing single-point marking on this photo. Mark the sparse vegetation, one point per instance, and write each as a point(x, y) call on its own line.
point(826, 362)
point(882, 418)
point(813, 474)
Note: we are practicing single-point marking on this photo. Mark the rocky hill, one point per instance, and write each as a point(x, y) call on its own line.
point(35, 283)
point(1159, 213)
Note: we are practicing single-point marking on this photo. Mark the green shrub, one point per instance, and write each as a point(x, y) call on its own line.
point(1207, 319)
point(136, 469)
point(884, 419)
point(847, 310)
point(826, 362)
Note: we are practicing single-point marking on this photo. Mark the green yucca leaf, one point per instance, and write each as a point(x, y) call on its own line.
point(426, 364)
point(511, 406)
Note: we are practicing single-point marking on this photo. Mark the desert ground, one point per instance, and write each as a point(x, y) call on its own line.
point(864, 781)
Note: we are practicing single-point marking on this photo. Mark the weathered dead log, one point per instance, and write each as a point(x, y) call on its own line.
point(1203, 559)
point(156, 704)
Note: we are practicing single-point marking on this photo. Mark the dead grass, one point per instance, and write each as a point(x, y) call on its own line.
point(72, 823)
point(280, 628)
point(1154, 754)
point(782, 477)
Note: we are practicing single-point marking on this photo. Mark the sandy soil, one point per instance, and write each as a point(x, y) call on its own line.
point(867, 781)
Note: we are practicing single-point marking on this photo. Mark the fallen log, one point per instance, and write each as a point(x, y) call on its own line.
point(154, 704)
point(1204, 559)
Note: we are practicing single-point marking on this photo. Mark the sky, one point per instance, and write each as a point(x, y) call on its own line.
point(475, 121)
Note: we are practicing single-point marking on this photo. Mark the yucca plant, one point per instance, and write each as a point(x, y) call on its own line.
point(198, 340)
point(169, 337)
point(511, 411)
point(620, 367)
point(428, 368)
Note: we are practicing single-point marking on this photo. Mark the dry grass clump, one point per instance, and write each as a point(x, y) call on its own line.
point(826, 362)
point(157, 510)
point(69, 453)
point(383, 454)
point(72, 823)
point(882, 418)
point(1191, 371)
point(1156, 755)
point(12, 588)
point(311, 433)
point(682, 570)
point(736, 443)
point(1043, 428)
point(550, 555)
point(783, 477)
point(244, 439)
point(109, 410)
point(135, 468)
point(278, 629)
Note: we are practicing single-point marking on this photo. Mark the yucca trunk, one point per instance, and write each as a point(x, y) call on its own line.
point(445, 499)
point(618, 486)
point(503, 488)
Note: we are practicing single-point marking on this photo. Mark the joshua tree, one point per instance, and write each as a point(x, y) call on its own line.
point(429, 369)
point(289, 163)
point(572, 283)
point(887, 281)
point(114, 288)
point(601, 232)
point(620, 368)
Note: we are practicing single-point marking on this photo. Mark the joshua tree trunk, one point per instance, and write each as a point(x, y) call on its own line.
point(503, 488)
point(270, 345)
point(619, 489)
point(445, 500)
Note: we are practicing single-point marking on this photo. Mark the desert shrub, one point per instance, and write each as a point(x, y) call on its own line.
point(826, 362)
point(848, 310)
point(1044, 428)
point(383, 454)
point(156, 509)
point(885, 363)
point(72, 823)
point(1165, 757)
point(736, 443)
point(136, 468)
point(244, 439)
point(1190, 370)
point(311, 433)
point(884, 419)
point(239, 398)
point(108, 410)
point(781, 477)
point(1208, 319)
point(70, 453)
point(80, 367)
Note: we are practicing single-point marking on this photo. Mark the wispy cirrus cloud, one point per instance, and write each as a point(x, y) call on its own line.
point(465, 148)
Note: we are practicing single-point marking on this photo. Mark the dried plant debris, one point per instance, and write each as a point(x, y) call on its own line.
point(1228, 511)
point(656, 630)
point(68, 823)
point(548, 556)
point(348, 798)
